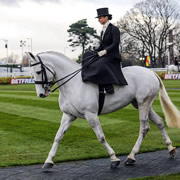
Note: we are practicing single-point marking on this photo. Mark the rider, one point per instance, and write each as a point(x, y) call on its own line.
point(106, 70)
point(176, 63)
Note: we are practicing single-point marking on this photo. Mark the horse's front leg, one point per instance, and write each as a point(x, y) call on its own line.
point(96, 126)
point(66, 121)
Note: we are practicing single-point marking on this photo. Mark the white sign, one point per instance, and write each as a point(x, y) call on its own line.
point(171, 76)
point(22, 81)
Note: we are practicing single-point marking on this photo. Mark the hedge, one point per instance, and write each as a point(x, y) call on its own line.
point(6, 80)
point(161, 74)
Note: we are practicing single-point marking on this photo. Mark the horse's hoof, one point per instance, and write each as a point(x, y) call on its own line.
point(129, 162)
point(114, 164)
point(172, 153)
point(47, 165)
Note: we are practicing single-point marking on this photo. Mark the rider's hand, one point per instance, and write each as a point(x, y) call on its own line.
point(102, 53)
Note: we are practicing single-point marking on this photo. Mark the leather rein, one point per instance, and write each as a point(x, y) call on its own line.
point(45, 81)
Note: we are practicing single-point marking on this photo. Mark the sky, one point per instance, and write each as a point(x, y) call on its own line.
point(44, 23)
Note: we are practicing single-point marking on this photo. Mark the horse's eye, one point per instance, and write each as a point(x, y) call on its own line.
point(38, 72)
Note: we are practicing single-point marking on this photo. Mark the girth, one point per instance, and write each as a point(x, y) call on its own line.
point(101, 99)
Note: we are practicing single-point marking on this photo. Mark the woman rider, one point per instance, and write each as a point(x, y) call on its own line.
point(105, 70)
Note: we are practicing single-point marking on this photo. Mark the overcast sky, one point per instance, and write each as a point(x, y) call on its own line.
point(46, 22)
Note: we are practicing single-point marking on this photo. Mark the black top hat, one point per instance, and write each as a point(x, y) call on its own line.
point(102, 12)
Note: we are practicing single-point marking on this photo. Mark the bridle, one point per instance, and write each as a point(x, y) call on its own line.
point(44, 74)
point(50, 84)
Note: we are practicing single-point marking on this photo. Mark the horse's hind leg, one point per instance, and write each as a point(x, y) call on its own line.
point(157, 120)
point(96, 126)
point(144, 128)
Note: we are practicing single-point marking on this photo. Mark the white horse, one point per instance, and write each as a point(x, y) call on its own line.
point(172, 68)
point(79, 99)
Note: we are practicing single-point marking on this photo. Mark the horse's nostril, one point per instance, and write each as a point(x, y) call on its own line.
point(41, 95)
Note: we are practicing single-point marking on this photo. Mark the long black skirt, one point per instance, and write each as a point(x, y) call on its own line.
point(102, 70)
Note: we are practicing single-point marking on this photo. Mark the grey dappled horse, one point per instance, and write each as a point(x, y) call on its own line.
point(79, 99)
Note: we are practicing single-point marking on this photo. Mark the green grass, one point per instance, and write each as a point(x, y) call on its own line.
point(165, 177)
point(172, 83)
point(28, 126)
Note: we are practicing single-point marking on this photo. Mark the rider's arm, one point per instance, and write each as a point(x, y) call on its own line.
point(99, 48)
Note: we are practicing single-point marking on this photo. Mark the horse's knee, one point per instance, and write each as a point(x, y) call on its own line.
point(145, 128)
point(57, 140)
point(102, 140)
point(94, 124)
point(145, 131)
point(58, 137)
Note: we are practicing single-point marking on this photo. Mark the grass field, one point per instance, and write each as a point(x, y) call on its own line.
point(28, 126)
point(165, 177)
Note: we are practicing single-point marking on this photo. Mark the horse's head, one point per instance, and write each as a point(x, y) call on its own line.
point(43, 74)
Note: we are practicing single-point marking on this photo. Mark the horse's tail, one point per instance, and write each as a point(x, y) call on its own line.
point(172, 115)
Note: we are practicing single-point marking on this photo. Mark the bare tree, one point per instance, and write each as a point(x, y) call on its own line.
point(168, 13)
point(13, 58)
point(149, 23)
point(177, 39)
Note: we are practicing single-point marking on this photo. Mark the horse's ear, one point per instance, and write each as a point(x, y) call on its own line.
point(30, 56)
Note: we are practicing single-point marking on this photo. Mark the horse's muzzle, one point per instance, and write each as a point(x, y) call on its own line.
point(42, 95)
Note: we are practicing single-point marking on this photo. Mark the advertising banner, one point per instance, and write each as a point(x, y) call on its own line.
point(171, 76)
point(22, 81)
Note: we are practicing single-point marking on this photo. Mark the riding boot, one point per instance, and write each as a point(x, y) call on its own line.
point(109, 88)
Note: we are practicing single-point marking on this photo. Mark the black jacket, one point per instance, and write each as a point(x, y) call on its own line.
point(110, 42)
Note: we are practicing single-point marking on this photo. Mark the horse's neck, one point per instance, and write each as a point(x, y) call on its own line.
point(64, 67)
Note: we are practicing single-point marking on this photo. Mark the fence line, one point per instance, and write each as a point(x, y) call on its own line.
point(16, 74)
point(30, 73)
point(159, 69)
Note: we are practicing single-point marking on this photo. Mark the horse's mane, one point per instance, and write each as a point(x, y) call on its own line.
point(59, 55)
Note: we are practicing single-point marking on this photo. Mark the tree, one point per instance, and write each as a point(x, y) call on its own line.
point(13, 58)
point(81, 35)
point(128, 46)
point(177, 39)
point(149, 23)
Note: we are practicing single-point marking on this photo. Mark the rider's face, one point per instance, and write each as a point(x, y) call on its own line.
point(103, 19)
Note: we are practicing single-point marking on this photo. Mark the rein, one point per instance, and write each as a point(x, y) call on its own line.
point(71, 75)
